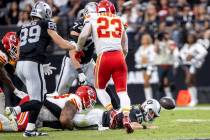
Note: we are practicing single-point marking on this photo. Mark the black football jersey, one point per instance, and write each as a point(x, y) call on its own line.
point(34, 40)
point(136, 115)
point(89, 45)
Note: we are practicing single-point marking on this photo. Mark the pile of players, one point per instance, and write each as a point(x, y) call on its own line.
point(100, 30)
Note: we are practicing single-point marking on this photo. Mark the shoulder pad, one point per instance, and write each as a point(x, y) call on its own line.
point(51, 25)
point(90, 17)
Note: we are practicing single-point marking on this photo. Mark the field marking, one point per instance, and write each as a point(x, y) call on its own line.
point(192, 120)
point(193, 108)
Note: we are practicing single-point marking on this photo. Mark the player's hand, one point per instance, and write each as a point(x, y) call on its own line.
point(75, 45)
point(82, 79)
point(48, 69)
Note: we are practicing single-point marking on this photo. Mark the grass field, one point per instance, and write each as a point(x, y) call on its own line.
point(175, 124)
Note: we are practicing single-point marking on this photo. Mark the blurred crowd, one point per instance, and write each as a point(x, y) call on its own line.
point(143, 16)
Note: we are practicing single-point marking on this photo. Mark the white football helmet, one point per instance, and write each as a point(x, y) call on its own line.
point(151, 106)
point(91, 7)
point(41, 10)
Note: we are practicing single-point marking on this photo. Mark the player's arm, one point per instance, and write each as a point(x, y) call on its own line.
point(86, 31)
point(4, 78)
point(124, 43)
point(67, 115)
point(136, 125)
point(62, 43)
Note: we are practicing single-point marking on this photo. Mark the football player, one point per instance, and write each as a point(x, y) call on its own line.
point(141, 117)
point(80, 64)
point(8, 53)
point(34, 39)
point(57, 112)
point(111, 44)
point(192, 56)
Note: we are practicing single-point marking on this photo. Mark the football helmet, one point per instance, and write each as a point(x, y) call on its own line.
point(41, 10)
point(151, 109)
point(91, 7)
point(87, 95)
point(10, 42)
point(106, 6)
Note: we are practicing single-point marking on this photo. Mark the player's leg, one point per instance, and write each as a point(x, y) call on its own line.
point(89, 72)
point(92, 119)
point(119, 76)
point(67, 75)
point(47, 119)
point(102, 76)
point(36, 88)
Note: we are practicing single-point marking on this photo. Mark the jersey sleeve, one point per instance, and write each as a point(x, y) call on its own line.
point(50, 25)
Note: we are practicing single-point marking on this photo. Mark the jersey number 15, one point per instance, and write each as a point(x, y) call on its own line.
point(104, 25)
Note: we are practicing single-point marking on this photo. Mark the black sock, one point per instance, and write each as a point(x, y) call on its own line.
point(114, 99)
point(52, 124)
point(33, 116)
point(31, 105)
point(54, 109)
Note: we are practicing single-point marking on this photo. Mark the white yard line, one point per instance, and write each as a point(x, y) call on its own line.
point(193, 108)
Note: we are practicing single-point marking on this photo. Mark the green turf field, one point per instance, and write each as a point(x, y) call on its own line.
point(175, 124)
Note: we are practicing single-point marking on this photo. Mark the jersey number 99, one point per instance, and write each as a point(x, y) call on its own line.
point(30, 35)
point(104, 25)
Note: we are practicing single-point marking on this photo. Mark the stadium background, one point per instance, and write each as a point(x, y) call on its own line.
point(176, 16)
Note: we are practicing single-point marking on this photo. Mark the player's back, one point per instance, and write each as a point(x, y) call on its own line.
point(62, 99)
point(107, 31)
point(34, 40)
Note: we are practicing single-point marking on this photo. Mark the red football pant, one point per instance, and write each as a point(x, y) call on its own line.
point(111, 64)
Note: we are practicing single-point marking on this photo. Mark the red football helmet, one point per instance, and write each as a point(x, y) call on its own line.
point(10, 42)
point(87, 95)
point(106, 6)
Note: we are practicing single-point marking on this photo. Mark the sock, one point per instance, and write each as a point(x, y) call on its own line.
point(148, 92)
point(17, 109)
point(193, 93)
point(114, 98)
point(125, 102)
point(168, 92)
point(30, 126)
point(31, 105)
point(52, 124)
point(53, 108)
point(104, 98)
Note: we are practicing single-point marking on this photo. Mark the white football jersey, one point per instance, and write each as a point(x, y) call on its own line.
point(62, 99)
point(197, 51)
point(148, 52)
point(107, 30)
point(3, 58)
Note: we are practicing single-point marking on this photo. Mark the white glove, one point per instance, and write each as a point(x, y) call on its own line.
point(19, 93)
point(82, 79)
point(48, 69)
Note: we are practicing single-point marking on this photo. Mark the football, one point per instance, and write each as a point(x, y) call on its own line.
point(167, 103)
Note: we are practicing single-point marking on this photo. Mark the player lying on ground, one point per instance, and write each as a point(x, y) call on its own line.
point(62, 107)
point(141, 117)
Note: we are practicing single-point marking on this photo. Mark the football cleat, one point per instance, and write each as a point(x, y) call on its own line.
point(127, 125)
point(10, 113)
point(33, 133)
point(113, 119)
